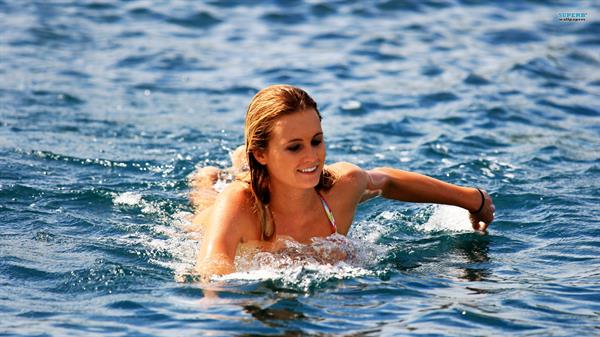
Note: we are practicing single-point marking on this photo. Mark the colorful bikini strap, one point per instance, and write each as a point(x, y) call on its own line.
point(328, 212)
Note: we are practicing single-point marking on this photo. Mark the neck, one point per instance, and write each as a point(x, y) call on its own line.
point(286, 200)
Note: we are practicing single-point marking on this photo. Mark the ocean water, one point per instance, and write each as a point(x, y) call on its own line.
point(106, 107)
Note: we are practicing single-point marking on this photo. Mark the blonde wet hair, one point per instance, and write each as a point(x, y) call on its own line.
point(265, 108)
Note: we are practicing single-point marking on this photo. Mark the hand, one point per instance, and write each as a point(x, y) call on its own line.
point(482, 219)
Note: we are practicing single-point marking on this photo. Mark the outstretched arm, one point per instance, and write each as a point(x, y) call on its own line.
point(414, 187)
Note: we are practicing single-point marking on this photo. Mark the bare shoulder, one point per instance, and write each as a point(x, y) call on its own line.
point(348, 173)
point(351, 182)
point(233, 211)
point(236, 199)
point(346, 193)
point(237, 191)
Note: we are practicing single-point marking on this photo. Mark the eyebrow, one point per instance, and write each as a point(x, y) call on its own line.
point(300, 139)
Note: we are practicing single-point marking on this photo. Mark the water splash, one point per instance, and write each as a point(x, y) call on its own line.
point(166, 245)
point(134, 199)
point(295, 265)
point(306, 266)
point(447, 218)
point(127, 198)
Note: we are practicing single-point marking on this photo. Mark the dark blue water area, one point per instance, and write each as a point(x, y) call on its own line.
point(106, 108)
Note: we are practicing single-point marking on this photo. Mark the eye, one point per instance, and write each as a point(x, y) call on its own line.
point(294, 148)
point(316, 142)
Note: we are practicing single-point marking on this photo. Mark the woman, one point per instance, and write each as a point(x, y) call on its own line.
point(285, 190)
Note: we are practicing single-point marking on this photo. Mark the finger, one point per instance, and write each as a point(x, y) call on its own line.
point(477, 225)
point(482, 226)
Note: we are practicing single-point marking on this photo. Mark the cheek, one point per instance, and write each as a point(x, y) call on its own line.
point(289, 160)
point(322, 151)
point(281, 160)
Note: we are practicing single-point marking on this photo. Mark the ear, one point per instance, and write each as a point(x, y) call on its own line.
point(260, 156)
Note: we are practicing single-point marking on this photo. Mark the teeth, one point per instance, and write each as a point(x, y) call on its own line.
point(308, 170)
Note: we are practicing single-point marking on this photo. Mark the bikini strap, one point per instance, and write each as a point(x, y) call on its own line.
point(328, 212)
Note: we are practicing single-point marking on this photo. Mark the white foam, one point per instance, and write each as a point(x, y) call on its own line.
point(136, 199)
point(167, 245)
point(150, 208)
point(373, 230)
point(127, 198)
point(301, 266)
point(447, 218)
point(298, 266)
point(300, 275)
point(352, 105)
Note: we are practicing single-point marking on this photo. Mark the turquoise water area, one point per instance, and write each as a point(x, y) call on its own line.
point(106, 107)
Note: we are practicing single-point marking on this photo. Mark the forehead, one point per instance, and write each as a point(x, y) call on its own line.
point(303, 124)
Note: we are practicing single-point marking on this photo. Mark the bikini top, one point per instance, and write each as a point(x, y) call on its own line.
point(328, 212)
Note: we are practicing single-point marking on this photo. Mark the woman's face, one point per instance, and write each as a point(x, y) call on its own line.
point(295, 153)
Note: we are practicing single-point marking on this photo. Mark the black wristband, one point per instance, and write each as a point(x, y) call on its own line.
point(482, 203)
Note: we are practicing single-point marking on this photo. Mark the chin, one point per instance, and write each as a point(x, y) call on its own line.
point(310, 181)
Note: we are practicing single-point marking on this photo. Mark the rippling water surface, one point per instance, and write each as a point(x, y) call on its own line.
point(107, 106)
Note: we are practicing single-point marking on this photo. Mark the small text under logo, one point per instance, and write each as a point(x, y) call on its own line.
point(572, 16)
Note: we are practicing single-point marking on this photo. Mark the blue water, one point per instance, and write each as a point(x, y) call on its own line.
point(106, 107)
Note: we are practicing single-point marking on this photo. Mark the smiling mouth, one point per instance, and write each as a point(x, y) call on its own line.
point(309, 169)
